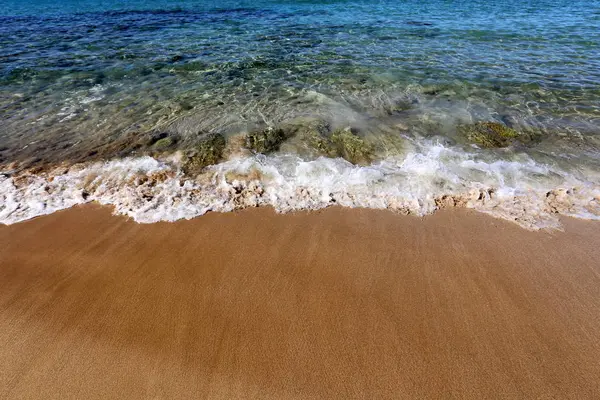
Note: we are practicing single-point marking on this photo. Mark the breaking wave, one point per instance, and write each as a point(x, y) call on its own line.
point(427, 178)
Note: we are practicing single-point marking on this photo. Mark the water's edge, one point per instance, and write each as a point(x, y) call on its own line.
point(148, 190)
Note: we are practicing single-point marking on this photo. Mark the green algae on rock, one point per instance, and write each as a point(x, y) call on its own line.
point(342, 143)
point(305, 126)
point(208, 152)
point(351, 147)
point(312, 132)
point(489, 134)
point(321, 144)
point(266, 140)
point(163, 144)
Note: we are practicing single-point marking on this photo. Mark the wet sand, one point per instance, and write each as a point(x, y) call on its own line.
point(331, 304)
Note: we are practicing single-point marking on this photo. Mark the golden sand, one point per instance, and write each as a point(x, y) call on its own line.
point(332, 304)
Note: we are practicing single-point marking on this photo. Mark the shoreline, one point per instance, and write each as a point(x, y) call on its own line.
point(435, 177)
point(333, 303)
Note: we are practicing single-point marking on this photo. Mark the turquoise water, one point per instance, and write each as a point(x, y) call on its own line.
point(98, 81)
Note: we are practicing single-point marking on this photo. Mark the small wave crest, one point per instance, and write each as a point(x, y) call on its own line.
point(427, 178)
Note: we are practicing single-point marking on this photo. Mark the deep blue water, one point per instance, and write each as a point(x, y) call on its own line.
point(77, 76)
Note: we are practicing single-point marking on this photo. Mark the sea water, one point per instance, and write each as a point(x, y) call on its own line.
point(374, 104)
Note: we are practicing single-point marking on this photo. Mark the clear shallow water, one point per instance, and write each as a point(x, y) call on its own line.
point(86, 82)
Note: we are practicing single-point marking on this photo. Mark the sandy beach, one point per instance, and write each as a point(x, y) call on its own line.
point(332, 304)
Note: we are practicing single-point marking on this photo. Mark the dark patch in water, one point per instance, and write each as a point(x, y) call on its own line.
point(419, 23)
point(156, 137)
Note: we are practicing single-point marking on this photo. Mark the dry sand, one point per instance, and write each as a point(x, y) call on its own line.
point(332, 304)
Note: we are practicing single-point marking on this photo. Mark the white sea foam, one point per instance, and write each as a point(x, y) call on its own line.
point(428, 177)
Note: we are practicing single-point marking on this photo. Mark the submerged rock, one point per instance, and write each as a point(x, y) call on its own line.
point(342, 143)
point(208, 152)
point(163, 144)
point(351, 147)
point(531, 136)
point(266, 140)
point(321, 144)
point(489, 134)
point(306, 126)
point(316, 135)
point(161, 141)
point(156, 137)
